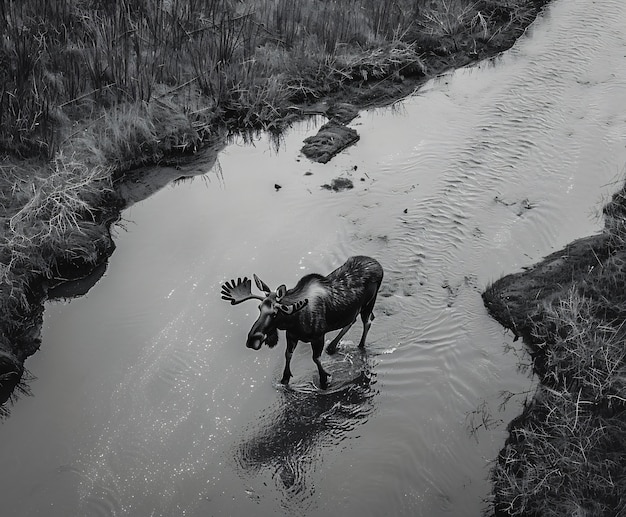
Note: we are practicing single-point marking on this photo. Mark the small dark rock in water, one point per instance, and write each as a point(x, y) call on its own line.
point(339, 184)
point(308, 173)
point(277, 186)
point(406, 210)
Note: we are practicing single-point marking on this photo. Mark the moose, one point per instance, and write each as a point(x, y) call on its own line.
point(316, 305)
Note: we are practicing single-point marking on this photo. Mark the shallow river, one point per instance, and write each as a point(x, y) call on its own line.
point(146, 401)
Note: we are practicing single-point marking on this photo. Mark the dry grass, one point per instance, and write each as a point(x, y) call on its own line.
point(244, 61)
point(56, 219)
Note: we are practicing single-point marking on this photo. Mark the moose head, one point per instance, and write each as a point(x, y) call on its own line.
point(271, 308)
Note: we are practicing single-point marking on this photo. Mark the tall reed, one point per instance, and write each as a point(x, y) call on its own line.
point(65, 61)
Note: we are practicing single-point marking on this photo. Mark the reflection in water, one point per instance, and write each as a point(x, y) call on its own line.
point(286, 439)
point(142, 183)
point(78, 287)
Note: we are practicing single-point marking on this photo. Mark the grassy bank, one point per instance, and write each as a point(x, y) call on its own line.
point(566, 454)
point(129, 81)
point(90, 89)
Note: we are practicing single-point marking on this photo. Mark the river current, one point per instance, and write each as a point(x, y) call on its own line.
point(147, 402)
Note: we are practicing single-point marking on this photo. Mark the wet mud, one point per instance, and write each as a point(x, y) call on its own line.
point(518, 300)
point(332, 138)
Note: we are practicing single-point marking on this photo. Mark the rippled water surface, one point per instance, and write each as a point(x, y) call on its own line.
point(147, 402)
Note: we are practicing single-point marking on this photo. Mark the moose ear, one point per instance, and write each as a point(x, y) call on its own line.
point(295, 307)
point(280, 292)
point(261, 285)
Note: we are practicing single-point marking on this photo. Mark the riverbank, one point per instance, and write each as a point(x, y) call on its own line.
point(95, 91)
point(565, 453)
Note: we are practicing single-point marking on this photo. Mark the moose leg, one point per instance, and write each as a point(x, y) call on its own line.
point(318, 345)
point(367, 316)
point(332, 347)
point(291, 346)
point(367, 323)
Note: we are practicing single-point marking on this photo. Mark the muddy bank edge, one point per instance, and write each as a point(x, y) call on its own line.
point(566, 450)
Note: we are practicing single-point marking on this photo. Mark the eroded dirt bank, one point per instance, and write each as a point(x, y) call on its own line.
point(566, 450)
point(518, 300)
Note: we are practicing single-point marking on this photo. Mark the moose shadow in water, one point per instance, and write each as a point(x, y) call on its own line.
point(287, 440)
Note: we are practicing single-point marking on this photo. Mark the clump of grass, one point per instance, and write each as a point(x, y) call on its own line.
point(566, 455)
point(55, 219)
point(615, 220)
point(127, 136)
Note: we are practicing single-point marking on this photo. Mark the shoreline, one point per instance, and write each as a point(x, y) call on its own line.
point(564, 451)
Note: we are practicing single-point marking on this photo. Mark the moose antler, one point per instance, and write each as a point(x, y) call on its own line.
point(239, 291)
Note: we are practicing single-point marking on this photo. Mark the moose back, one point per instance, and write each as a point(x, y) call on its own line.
point(316, 305)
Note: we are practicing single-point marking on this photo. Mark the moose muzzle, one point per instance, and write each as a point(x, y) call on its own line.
point(255, 340)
